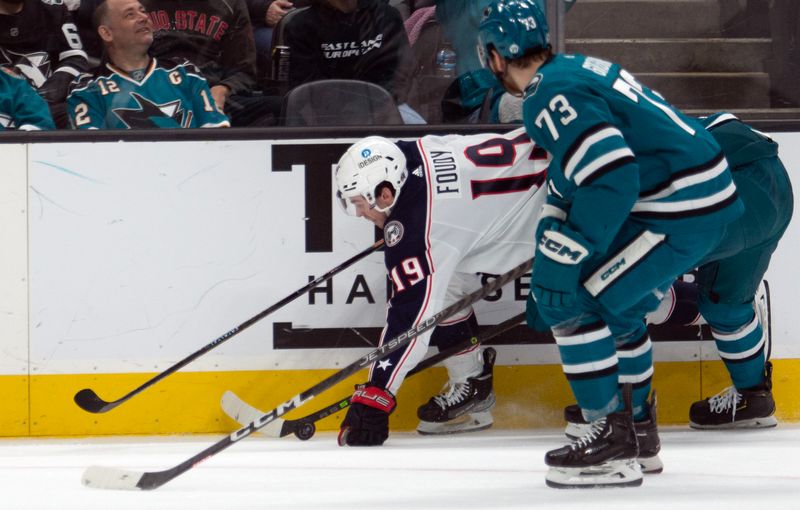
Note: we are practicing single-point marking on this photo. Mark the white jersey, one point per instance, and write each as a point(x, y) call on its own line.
point(470, 205)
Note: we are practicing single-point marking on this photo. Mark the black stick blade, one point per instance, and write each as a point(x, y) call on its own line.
point(88, 400)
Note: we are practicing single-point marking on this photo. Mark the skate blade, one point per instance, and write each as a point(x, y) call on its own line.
point(472, 422)
point(753, 423)
point(616, 473)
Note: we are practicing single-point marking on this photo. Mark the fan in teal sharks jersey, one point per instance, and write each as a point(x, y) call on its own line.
point(131, 90)
point(638, 194)
point(20, 106)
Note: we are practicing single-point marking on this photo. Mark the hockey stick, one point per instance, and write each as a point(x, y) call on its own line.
point(115, 478)
point(304, 427)
point(89, 401)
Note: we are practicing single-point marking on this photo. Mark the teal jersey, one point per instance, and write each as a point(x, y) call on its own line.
point(740, 143)
point(622, 153)
point(21, 107)
point(168, 95)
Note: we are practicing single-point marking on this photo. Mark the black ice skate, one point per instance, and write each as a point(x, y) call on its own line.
point(732, 409)
point(646, 433)
point(604, 457)
point(463, 406)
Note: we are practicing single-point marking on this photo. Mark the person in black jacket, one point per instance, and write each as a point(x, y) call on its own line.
point(265, 15)
point(350, 39)
point(215, 35)
point(39, 41)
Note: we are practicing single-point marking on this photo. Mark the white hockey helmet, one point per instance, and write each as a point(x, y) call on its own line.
point(366, 164)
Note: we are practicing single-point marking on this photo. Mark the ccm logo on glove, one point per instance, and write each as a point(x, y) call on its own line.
point(556, 246)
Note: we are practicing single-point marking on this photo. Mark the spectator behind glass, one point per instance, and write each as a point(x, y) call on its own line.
point(39, 41)
point(460, 20)
point(134, 90)
point(264, 15)
point(217, 36)
point(20, 106)
point(352, 39)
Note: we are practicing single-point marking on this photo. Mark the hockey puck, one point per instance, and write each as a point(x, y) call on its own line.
point(305, 431)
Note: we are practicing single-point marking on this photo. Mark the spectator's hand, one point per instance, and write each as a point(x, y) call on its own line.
point(277, 10)
point(220, 94)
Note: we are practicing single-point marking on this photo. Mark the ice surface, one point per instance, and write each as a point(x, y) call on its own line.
point(730, 470)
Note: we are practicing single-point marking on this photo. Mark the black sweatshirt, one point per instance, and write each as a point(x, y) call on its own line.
point(369, 44)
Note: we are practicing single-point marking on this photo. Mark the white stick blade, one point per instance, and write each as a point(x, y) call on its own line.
point(245, 414)
point(99, 477)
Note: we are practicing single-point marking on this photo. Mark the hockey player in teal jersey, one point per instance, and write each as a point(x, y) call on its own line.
point(132, 90)
point(729, 277)
point(21, 107)
point(638, 194)
point(730, 294)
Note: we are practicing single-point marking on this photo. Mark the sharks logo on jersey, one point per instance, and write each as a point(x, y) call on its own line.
point(148, 111)
point(34, 66)
point(42, 43)
point(167, 95)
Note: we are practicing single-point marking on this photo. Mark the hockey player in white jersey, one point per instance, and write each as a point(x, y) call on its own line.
point(450, 207)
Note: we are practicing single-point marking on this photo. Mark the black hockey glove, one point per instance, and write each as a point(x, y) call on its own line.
point(367, 419)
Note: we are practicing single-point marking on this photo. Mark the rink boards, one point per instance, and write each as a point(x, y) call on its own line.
point(118, 259)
